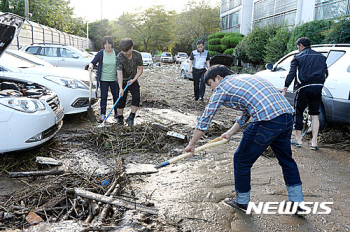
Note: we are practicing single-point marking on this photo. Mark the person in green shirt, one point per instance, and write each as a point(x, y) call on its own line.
point(129, 69)
point(106, 73)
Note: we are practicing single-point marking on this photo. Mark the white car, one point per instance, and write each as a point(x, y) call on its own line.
point(335, 107)
point(180, 57)
point(184, 70)
point(147, 59)
point(73, 94)
point(166, 57)
point(81, 75)
point(61, 55)
point(30, 114)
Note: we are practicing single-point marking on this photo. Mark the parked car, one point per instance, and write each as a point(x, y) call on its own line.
point(166, 57)
point(61, 55)
point(147, 59)
point(180, 57)
point(74, 94)
point(82, 75)
point(30, 114)
point(335, 106)
point(184, 70)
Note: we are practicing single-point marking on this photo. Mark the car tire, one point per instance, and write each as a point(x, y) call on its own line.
point(183, 75)
point(307, 121)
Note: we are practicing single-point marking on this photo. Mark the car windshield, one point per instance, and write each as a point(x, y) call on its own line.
point(166, 54)
point(285, 64)
point(15, 61)
point(146, 55)
point(182, 55)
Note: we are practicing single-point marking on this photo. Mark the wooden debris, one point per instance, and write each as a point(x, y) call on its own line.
point(35, 173)
point(175, 134)
point(115, 201)
point(47, 160)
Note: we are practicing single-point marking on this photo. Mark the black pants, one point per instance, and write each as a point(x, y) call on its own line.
point(104, 94)
point(199, 85)
point(134, 89)
point(307, 96)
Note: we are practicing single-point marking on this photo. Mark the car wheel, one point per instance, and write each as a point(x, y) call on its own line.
point(183, 75)
point(307, 121)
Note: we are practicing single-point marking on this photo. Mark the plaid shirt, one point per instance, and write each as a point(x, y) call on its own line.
point(254, 96)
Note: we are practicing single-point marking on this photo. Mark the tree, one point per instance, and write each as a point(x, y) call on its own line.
point(314, 30)
point(276, 46)
point(98, 30)
point(339, 31)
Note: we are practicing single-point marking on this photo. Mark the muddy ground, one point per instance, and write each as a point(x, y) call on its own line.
point(185, 196)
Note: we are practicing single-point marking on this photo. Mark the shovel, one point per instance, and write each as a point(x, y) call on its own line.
point(212, 143)
point(103, 123)
point(90, 110)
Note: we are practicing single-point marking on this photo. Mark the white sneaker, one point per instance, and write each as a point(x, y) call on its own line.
point(102, 117)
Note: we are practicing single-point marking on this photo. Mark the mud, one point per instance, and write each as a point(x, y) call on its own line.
point(189, 194)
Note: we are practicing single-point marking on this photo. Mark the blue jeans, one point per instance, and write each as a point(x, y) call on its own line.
point(104, 95)
point(275, 133)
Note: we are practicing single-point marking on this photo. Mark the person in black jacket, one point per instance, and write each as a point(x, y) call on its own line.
point(308, 84)
point(106, 73)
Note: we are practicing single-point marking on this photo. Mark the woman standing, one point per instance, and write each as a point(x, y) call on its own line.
point(106, 73)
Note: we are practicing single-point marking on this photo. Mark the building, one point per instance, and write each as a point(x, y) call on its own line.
point(241, 15)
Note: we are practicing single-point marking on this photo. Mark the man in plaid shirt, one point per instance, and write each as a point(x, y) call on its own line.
point(271, 125)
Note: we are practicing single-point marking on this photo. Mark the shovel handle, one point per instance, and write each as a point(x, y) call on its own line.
point(116, 102)
point(212, 143)
point(90, 86)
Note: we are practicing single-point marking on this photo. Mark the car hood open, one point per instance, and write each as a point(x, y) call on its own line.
point(223, 59)
point(10, 26)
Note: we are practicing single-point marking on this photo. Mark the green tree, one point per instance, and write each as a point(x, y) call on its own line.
point(256, 40)
point(240, 51)
point(314, 30)
point(339, 31)
point(98, 30)
point(276, 46)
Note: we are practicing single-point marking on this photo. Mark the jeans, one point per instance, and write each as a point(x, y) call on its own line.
point(275, 133)
point(104, 95)
point(199, 84)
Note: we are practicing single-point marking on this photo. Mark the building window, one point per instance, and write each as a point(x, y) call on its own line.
point(231, 22)
point(327, 9)
point(227, 5)
point(275, 11)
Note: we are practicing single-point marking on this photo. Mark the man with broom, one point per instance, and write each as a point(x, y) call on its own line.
point(271, 125)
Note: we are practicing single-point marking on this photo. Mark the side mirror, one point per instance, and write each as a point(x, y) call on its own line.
point(75, 56)
point(269, 66)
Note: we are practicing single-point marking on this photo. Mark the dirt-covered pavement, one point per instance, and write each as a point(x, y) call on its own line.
point(187, 195)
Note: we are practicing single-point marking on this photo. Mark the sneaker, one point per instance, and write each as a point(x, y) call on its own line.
point(130, 121)
point(201, 99)
point(231, 202)
point(120, 120)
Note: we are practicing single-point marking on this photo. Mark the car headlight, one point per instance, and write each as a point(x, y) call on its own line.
point(24, 105)
point(67, 82)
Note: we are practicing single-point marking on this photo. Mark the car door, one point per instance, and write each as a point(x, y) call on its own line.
point(70, 59)
point(49, 54)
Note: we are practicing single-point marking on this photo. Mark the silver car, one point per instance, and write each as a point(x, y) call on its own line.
point(61, 55)
point(166, 57)
point(184, 70)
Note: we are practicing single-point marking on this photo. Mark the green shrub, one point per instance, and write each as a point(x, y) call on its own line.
point(213, 53)
point(339, 31)
point(257, 39)
point(232, 39)
point(229, 51)
point(217, 48)
point(217, 35)
point(237, 69)
point(239, 52)
point(276, 47)
point(315, 30)
point(215, 41)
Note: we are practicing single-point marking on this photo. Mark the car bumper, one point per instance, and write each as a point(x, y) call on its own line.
point(337, 110)
point(21, 131)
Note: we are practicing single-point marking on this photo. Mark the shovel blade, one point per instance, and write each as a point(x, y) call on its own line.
point(91, 115)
